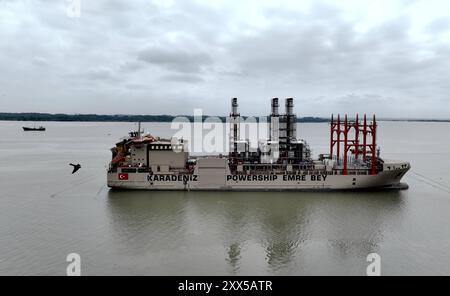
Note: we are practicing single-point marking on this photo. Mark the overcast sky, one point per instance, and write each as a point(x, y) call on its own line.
point(168, 57)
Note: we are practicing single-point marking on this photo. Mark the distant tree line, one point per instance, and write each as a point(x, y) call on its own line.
point(114, 118)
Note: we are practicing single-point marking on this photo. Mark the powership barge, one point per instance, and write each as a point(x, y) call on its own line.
point(280, 163)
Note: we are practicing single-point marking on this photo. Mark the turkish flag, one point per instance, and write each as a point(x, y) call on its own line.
point(123, 177)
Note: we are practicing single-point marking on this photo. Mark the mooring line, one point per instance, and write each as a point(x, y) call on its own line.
point(100, 190)
point(83, 181)
point(431, 180)
point(431, 184)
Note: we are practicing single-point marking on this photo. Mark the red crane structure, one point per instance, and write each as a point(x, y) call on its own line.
point(358, 138)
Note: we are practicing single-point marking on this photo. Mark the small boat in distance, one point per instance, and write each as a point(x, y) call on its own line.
point(34, 129)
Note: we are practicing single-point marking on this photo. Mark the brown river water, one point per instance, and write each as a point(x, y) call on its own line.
point(47, 213)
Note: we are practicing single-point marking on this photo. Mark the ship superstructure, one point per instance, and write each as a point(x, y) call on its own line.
point(280, 162)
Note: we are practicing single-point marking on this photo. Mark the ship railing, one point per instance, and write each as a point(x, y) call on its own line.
point(149, 170)
point(128, 170)
point(304, 172)
point(350, 172)
point(338, 172)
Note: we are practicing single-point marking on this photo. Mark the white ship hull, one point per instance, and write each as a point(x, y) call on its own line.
point(221, 181)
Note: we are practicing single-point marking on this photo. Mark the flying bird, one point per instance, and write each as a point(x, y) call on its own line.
point(76, 167)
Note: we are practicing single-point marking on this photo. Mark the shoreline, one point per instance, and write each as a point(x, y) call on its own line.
point(46, 117)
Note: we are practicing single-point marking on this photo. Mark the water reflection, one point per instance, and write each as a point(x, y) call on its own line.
point(234, 256)
point(139, 218)
point(284, 230)
point(361, 220)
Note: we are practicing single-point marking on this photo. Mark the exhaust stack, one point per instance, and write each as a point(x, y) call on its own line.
point(274, 121)
point(289, 106)
point(275, 107)
point(291, 121)
point(234, 126)
point(234, 107)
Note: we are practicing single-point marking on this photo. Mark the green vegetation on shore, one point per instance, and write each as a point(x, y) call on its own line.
point(150, 118)
point(112, 118)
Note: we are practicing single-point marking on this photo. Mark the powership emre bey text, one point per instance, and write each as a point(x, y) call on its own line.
point(280, 163)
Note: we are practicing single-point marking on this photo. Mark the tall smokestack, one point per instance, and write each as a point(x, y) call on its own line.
point(289, 106)
point(291, 121)
point(274, 121)
point(234, 107)
point(275, 106)
point(234, 126)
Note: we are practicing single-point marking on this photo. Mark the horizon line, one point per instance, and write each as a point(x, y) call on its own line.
point(12, 114)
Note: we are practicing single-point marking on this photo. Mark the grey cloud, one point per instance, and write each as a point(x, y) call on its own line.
point(336, 55)
point(438, 26)
point(40, 61)
point(202, 55)
point(100, 74)
point(409, 2)
point(362, 99)
point(176, 59)
point(184, 78)
point(130, 66)
point(318, 47)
